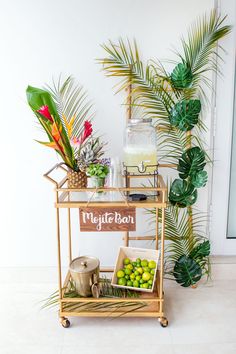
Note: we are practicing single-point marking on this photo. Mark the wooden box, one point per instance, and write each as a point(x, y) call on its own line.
point(132, 253)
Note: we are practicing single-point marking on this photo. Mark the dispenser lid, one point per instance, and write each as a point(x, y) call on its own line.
point(84, 264)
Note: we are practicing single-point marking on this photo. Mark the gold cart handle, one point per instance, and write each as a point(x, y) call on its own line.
point(58, 165)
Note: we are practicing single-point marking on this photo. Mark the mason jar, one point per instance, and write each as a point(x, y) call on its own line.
point(140, 149)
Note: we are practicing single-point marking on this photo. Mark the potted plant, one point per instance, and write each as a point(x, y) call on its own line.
point(65, 116)
point(98, 173)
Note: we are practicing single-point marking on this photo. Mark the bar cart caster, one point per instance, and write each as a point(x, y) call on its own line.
point(163, 321)
point(64, 322)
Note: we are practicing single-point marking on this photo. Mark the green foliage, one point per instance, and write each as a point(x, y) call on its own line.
point(200, 251)
point(184, 115)
point(199, 179)
point(182, 193)
point(186, 271)
point(98, 170)
point(191, 162)
point(181, 76)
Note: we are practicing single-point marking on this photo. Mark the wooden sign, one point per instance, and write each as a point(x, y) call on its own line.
point(107, 219)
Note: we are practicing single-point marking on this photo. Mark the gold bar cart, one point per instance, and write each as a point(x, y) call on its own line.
point(154, 302)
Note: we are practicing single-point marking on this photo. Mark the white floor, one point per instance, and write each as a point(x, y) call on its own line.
point(201, 321)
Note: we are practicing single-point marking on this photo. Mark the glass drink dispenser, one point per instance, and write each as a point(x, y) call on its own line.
point(140, 150)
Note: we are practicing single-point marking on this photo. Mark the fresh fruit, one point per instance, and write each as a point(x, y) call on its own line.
point(149, 286)
point(146, 276)
point(152, 264)
point(129, 283)
point(136, 272)
point(152, 271)
point(140, 270)
point(132, 276)
point(126, 261)
point(145, 286)
point(136, 283)
point(128, 271)
point(146, 269)
point(141, 281)
point(120, 274)
point(122, 281)
point(129, 266)
point(144, 263)
point(150, 282)
point(138, 277)
point(134, 264)
point(127, 277)
point(138, 260)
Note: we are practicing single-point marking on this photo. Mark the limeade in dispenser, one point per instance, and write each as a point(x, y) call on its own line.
point(140, 152)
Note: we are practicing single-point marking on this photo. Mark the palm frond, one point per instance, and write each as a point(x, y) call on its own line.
point(71, 100)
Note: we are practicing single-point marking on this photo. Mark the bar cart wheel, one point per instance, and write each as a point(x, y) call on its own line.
point(163, 321)
point(64, 322)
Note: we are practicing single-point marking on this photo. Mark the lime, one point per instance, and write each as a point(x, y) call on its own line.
point(152, 271)
point(146, 276)
point(141, 281)
point(145, 286)
point(144, 263)
point(136, 284)
point(126, 261)
point(152, 264)
point(151, 277)
point(141, 285)
point(138, 260)
point(138, 277)
point(120, 274)
point(132, 276)
point(138, 265)
point(146, 269)
point(150, 282)
point(149, 286)
point(134, 264)
point(129, 283)
point(136, 272)
point(129, 266)
point(127, 277)
point(140, 270)
point(128, 271)
point(122, 281)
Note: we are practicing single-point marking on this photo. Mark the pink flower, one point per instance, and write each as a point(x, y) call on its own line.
point(75, 142)
point(44, 111)
point(87, 131)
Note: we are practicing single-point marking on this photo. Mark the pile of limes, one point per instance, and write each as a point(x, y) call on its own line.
point(137, 274)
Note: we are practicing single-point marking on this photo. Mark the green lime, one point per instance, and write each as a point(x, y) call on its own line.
point(141, 285)
point(122, 281)
point(138, 277)
point(128, 271)
point(126, 261)
point(132, 276)
point(136, 272)
point(152, 264)
point(144, 263)
point(151, 277)
point(120, 274)
point(129, 283)
point(141, 281)
point(149, 286)
point(134, 264)
point(145, 286)
point(138, 264)
point(146, 276)
point(138, 260)
point(136, 283)
point(146, 269)
point(150, 282)
point(129, 266)
point(152, 271)
point(127, 277)
point(140, 270)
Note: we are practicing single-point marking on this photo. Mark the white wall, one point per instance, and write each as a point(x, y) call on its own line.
point(44, 38)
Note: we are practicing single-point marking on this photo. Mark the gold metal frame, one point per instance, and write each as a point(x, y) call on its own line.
point(154, 301)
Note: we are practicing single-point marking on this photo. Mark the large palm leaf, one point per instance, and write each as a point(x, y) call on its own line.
point(71, 101)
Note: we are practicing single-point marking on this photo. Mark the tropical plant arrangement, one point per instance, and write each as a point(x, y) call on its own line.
point(65, 115)
point(175, 100)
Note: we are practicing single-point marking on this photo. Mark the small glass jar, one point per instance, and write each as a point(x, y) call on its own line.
point(140, 150)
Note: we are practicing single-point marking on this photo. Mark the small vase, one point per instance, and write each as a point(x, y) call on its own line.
point(76, 179)
point(97, 182)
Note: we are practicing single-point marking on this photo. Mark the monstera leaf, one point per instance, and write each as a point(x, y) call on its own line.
point(181, 76)
point(191, 162)
point(199, 179)
point(182, 193)
point(184, 114)
point(200, 251)
point(187, 271)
